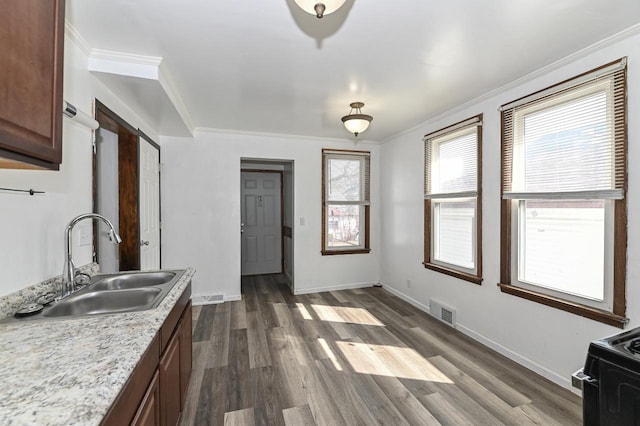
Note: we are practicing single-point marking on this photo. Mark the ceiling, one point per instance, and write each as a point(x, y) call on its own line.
point(267, 66)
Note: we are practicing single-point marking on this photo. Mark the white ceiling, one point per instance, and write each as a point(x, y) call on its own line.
point(267, 66)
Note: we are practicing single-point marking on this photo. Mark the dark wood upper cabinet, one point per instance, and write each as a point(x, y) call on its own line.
point(31, 67)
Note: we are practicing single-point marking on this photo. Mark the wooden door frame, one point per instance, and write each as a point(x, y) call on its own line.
point(281, 233)
point(111, 121)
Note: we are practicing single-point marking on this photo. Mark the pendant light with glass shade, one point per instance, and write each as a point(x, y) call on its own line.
point(320, 7)
point(358, 122)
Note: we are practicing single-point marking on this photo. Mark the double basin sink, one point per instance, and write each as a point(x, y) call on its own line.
point(113, 293)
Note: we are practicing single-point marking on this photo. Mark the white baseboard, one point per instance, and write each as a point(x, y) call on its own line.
point(503, 350)
point(406, 298)
point(514, 356)
point(233, 298)
point(213, 299)
point(332, 288)
point(289, 280)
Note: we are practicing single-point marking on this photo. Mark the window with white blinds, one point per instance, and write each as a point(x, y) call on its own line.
point(346, 200)
point(564, 182)
point(569, 144)
point(452, 178)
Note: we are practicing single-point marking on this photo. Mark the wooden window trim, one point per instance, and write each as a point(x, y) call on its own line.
point(367, 213)
point(617, 316)
point(465, 276)
point(565, 305)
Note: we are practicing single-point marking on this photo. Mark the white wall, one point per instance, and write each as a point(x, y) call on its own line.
point(201, 210)
point(547, 340)
point(201, 216)
point(32, 227)
point(289, 219)
point(107, 202)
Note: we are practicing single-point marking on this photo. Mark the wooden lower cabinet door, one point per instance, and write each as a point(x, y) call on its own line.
point(148, 413)
point(169, 371)
point(186, 350)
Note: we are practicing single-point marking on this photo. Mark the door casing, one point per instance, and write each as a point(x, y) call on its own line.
point(129, 191)
point(150, 254)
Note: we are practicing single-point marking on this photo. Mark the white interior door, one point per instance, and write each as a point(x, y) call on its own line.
point(261, 223)
point(149, 184)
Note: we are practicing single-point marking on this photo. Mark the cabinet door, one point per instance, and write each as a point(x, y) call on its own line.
point(148, 413)
point(169, 370)
point(32, 46)
point(186, 341)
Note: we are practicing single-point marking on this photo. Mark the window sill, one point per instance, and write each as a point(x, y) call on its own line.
point(452, 272)
point(574, 308)
point(334, 252)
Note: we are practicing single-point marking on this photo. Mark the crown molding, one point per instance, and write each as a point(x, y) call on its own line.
point(72, 33)
point(126, 64)
point(212, 130)
point(580, 54)
point(164, 77)
point(144, 67)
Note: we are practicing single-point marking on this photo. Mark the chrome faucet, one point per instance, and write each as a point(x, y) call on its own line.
point(69, 271)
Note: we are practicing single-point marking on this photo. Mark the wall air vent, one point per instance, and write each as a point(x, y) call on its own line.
point(207, 300)
point(444, 313)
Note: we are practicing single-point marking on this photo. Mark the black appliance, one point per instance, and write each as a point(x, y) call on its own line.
point(611, 381)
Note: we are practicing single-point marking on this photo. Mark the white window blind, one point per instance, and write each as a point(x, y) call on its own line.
point(451, 162)
point(569, 144)
point(348, 181)
point(452, 193)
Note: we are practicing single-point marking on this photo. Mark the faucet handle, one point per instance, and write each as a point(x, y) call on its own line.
point(82, 279)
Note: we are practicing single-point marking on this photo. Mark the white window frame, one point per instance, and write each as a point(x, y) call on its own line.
point(435, 205)
point(517, 231)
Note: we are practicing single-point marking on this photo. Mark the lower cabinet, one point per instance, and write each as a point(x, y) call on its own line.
point(186, 348)
point(149, 411)
point(155, 393)
point(169, 370)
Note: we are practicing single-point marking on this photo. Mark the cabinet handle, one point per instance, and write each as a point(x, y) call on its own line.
point(144, 243)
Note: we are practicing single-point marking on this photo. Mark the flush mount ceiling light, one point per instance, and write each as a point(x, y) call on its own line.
point(358, 122)
point(320, 7)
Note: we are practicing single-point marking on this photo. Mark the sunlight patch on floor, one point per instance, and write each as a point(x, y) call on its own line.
point(327, 350)
point(344, 314)
point(303, 311)
point(392, 361)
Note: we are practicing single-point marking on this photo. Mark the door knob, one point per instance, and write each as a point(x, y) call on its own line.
point(144, 243)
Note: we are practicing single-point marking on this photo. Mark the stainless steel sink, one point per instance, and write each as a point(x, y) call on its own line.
point(133, 280)
point(110, 294)
point(105, 302)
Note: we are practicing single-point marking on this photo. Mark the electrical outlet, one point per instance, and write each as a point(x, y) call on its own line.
point(408, 283)
point(84, 236)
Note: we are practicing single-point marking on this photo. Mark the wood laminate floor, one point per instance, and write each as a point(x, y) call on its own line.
point(353, 357)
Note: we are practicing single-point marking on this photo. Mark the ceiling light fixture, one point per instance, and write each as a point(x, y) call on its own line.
point(321, 7)
point(358, 122)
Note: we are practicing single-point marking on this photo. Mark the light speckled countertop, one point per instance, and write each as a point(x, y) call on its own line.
point(69, 372)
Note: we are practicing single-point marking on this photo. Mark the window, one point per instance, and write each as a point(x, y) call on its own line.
point(345, 202)
point(563, 213)
point(453, 200)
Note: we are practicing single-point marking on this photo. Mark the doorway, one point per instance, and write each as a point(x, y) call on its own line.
point(261, 225)
point(267, 217)
point(126, 190)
